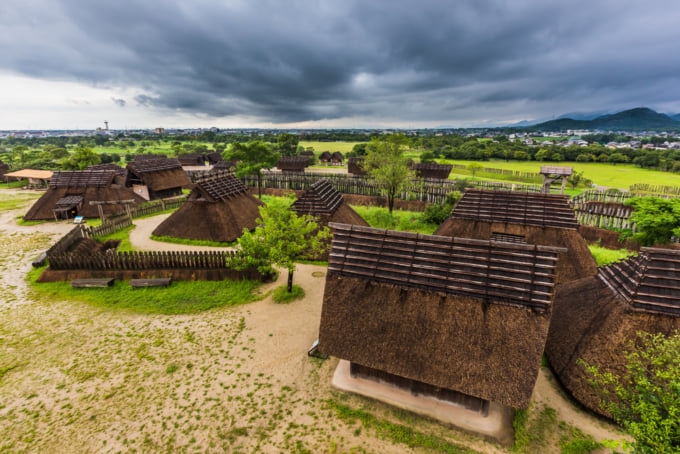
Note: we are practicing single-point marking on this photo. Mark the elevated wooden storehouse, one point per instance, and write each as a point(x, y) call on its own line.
point(461, 320)
point(523, 217)
point(87, 193)
point(157, 177)
point(596, 318)
point(432, 170)
point(292, 163)
point(37, 179)
point(218, 209)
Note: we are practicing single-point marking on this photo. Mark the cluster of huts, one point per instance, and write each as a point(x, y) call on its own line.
point(453, 325)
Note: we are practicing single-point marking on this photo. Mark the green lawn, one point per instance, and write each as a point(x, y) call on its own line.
point(320, 147)
point(620, 176)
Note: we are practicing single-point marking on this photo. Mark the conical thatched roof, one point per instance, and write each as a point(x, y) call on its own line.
point(522, 217)
point(70, 194)
point(218, 209)
point(595, 318)
point(355, 165)
point(459, 314)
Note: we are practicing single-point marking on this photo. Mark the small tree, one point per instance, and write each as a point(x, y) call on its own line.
point(81, 158)
point(656, 220)
point(251, 158)
point(645, 399)
point(281, 238)
point(386, 163)
point(474, 167)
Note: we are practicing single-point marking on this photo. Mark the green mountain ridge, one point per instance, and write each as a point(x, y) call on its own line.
point(638, 119)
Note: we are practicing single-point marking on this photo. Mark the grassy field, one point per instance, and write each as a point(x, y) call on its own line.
point(320, 147)
point(620, 176)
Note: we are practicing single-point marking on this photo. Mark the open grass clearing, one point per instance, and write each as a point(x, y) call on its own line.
point(620, 176)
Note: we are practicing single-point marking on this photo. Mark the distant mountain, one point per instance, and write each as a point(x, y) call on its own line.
point(584, 115)
point(675, 116)
point(638, 119)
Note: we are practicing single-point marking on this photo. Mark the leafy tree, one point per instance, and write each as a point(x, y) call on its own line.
point(81, 158)
point(251, 158)
point(427, 157)
point(616, 158)
point(386, 163)
point(436, 213)
point(281, 238)
point(656, 220)
point(645, 399)
point(576, 179)
point(474, 167)
point(287, 144)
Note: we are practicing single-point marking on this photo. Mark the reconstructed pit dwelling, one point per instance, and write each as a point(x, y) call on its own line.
point(597, 318)
point(218, 208)
point(448, 327)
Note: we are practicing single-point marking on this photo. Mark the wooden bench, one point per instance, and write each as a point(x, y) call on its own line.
point(157, 282)
point(93, 282)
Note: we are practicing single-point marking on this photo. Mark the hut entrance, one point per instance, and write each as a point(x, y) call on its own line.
point(67, 207)
point(468, 402)
point(508, 237)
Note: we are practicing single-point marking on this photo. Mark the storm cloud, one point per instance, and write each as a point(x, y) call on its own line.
point(429, 62)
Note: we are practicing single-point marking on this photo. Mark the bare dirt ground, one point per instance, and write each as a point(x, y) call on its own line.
point(79, 378)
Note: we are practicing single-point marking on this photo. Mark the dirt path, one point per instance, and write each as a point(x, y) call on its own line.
point(82, 378)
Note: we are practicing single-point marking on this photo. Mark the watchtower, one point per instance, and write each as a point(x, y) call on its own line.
point(555, 173)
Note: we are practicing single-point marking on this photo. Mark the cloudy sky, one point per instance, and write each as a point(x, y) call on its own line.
point(72, 64)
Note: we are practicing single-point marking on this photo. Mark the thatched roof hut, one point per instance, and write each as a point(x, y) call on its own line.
point(218, 209)
point(70, 192)
point(191, 159)
point(595, 318)
point(120, 172)
point(446, 314)
point(355, 165)
point(337, 158)
point(157, 177)
point(292, 163)
point(523, 217)
point(433, 170)
point(324, 201)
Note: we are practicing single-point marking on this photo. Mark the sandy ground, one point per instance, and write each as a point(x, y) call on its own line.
point(80, 378)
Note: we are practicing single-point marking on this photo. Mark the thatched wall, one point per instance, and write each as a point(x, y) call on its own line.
point(212, 221)
point(606, 238)
point(465, 344)
point(574, 264)
point(592, 324)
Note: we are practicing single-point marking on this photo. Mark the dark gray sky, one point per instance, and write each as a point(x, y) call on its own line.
point(273, 63)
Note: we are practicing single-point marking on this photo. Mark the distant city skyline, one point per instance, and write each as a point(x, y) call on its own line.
point(73, 65)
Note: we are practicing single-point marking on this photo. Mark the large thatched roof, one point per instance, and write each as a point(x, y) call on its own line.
point(522, 217)
point(595, 318)
point(218, 209)
point(466, 315)
point(320, 199)
point(432, 170)
point(70, 193)
point(158, 173)
point(527, 208)
point(292, 163)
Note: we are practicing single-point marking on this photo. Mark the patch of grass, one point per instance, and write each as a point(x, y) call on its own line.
point(15, 201)
point(182, 297)
point(538, 428)
point(283, 296)
point(397, 433)
point(604, 256)
point(174, 240)
point(407, 221)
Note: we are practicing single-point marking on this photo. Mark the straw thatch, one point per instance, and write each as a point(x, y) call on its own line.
point(292, 163)
point(70, 193)
point(163, 177)
point(4, 168)
point(544, 219)
point(464, 315)
point(120, 172)
point(433, 170)
point(191, 159)
point(218, 209)
point(323, 201)
point(595, 318)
